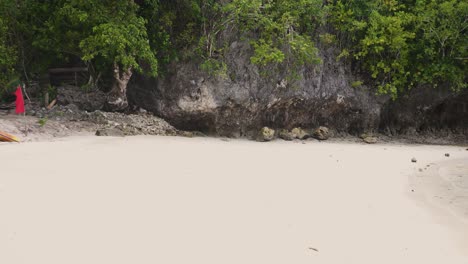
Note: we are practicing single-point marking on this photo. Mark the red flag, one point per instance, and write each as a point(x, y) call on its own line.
point(19, 100)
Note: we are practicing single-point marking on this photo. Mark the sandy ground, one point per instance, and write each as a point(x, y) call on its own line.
point(28, 128)
point(201, 200)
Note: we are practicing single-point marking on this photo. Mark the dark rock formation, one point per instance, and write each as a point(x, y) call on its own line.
point(427, 110)
point(249, 98)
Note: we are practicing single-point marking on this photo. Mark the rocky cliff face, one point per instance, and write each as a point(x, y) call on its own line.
point(248, 99)
point(427, 110)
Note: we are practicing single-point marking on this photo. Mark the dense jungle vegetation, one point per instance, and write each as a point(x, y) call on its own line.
point(396, 44)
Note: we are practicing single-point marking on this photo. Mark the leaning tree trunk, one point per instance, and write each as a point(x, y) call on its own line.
point(117, 98)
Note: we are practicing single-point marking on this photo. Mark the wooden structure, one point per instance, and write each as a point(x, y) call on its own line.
point(76, 76)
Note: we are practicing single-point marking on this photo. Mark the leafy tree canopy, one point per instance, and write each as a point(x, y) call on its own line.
point(394, 44)
point(405, 43)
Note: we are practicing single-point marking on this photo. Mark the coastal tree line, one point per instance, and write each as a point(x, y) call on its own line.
point(396, 44)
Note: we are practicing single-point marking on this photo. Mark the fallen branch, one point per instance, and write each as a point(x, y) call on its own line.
point(52, 104)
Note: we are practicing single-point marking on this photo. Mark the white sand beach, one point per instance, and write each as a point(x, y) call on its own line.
point(203, 200)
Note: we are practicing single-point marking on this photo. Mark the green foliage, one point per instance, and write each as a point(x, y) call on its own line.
point(8, 58)
point(214, 67)
point(42, 121)
point(385, 50)
point(441, 49)
point(327, 38)
point(357, 84)
point(52, 91)
point(27, 23)
point(405, 43)
point(100, 33)
point(284, 28)
point(109, 32)
point(120, 43)
point(266, 53)
point(395, 44)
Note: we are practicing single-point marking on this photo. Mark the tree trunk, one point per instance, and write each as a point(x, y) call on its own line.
point(117, 98)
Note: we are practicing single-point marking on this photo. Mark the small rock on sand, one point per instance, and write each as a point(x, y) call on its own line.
point(447, 154)
point(266, 134)
point(285, 134)
point(321, 133)
point(110, 132)
point(414, 160)
point(299, 133)
point(370, 140)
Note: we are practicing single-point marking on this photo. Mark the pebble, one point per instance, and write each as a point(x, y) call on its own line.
point(447, 155)
point(370, 140)
point(414, 160)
